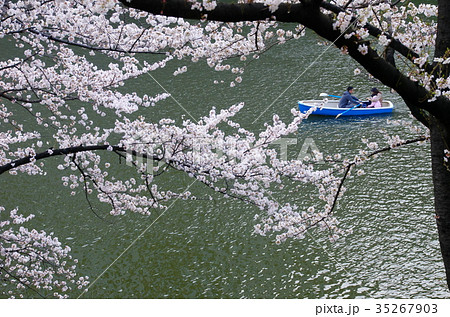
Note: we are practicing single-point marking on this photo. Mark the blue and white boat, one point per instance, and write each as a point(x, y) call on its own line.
point(330, 108)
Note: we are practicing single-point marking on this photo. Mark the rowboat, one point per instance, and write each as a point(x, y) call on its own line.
point(330, 108)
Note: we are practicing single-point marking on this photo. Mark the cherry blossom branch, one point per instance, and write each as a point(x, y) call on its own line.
point(35, 259)
point(86, 195)
point(312, 221)
point(56, 152)
point(372, 154)
point(20, 281)
point(19, 63)
point(231, 12)
point(376, 32)
point(92, 48)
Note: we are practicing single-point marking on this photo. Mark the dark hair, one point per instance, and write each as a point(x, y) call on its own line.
point(375, 90)
point(349, 88)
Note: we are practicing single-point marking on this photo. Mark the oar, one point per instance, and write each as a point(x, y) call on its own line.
point(348, 110)
point(327, 95)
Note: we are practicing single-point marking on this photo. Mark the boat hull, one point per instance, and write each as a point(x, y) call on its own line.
point(331, 108)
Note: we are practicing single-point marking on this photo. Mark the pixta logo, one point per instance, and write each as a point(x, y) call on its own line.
point(309, 152)
point(151, 158)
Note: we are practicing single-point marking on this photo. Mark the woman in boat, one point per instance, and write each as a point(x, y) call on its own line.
point(347, 100)
point(375, 99)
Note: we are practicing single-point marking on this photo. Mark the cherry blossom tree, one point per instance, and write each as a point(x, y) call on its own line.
point(404, 46)
point(56, 82)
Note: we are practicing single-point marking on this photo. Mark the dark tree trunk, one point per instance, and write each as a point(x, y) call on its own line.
point(440, 141)
point(443, 31)
point(441, 182)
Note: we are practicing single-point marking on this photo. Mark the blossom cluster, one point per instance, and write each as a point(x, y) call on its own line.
point(34, 260)
point(412, 25)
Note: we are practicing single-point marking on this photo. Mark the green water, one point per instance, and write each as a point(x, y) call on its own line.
point(206, 249)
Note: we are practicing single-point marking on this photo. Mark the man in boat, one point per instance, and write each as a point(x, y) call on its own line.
point(347, 100)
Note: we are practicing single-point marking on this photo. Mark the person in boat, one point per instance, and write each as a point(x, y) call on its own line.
point(348, 100)
point(375, 99)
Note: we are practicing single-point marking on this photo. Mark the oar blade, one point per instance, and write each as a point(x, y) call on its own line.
point(348, 110)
